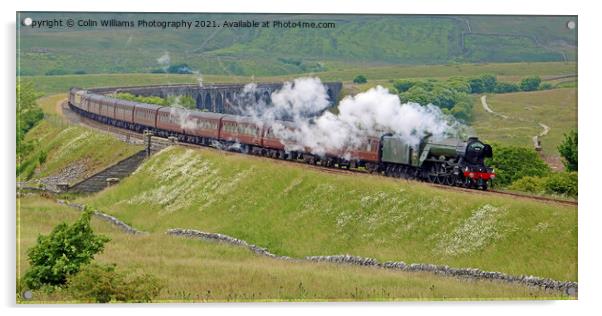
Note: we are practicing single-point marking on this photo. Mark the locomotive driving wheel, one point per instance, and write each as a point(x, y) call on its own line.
point(432, 174)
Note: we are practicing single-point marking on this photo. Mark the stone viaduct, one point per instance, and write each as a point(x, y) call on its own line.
point(219, 98)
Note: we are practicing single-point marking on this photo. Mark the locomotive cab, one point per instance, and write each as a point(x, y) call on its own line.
point(475, 171)
point(476, 151)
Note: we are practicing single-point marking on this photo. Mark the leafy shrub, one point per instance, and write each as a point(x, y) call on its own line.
point(42, 157)
point(403, 85)
point(28, 115)
point(568, 149)
point(460, 84)
point(530, 83)
point(564, 183)
point(489, 82)
point(561, 183)
point(512, 163)
point(79, 72)
point(546, 86)
point(143, 99)
point(450, 95)
point(360, 79)
point(103, 283)
point(476, 85)
point(505, 87)
point(62, 252)
point(528, 184)
point(185, 101)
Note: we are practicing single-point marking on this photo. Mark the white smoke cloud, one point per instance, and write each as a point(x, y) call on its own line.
point(164, 61)
point(368, 114)
point(199, 77)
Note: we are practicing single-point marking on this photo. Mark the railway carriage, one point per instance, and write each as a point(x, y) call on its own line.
point(145, 116)
point(107, 109)
point(170, 121)
point(124, 113)
point(203, 127)
point(93, 105)
point(241, 130)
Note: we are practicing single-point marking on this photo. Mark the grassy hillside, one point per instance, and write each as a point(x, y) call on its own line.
point(203, 271)
point(556, 108)
point(375, 74)
point(369, 39)
point(297, 211)
point(65, 144)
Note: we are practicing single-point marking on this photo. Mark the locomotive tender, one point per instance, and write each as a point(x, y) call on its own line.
point(449, 161)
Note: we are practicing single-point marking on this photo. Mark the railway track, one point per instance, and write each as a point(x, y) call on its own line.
point(160, 142)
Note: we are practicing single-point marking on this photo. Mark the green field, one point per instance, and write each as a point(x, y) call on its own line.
point(556, 108)
point(202, 271)
point(375, 74)
point(297, 211)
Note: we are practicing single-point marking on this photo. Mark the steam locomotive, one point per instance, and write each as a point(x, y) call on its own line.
point(449, 161)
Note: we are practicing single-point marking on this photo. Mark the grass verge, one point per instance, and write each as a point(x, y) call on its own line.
point(204, 271)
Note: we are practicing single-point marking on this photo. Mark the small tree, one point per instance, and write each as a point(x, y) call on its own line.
point(568, 151)
point(489, 82)
point(530, 83)
point(512, 163)
point(476, 85)
point(63, 252)
point(360, 79)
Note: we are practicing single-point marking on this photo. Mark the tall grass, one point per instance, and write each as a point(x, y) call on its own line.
point(297, 211)
point(204, 271)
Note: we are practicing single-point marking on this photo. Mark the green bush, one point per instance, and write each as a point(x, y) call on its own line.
point(403, 85)
point(489, 82)
point(185, 101)
point(530, 83)
point(460, 84)
point(28, 115)
point(528, 184)
point(103, 283)
point(62, 252)
point(451, 95)
point(143, 99)
point(42, 157)
point(568, 149)
point(360, 79)
point(563, 183)
point(476, 85)
point(505, 87)
point(546, 86)
point(512, 163)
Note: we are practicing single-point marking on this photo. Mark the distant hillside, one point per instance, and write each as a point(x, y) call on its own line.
point(356, 39)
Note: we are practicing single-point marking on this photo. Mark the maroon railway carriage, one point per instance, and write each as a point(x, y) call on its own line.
point(170, 120)
point(145, 116)
point(270, 140)
point(107, 108)
point(240, 129)
point(203, 124)
point(124, 112)
point(93, 104)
